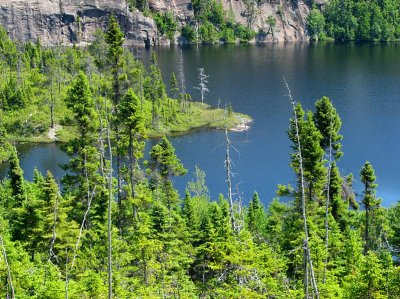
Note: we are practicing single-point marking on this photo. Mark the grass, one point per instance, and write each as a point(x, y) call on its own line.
point(32, 124)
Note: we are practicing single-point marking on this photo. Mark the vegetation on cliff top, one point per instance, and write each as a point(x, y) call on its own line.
point(350, 20)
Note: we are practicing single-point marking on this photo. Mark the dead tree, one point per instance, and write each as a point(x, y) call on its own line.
point(202, 87)
point(182, 77)
point(228, 167)
point(9, 278)
point(327, 203)
point(110, 200)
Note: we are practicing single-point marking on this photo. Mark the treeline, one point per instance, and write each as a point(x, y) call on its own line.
point(129, 234)
point(349, 20)
point(211, 23)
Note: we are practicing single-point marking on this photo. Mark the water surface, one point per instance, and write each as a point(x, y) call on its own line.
point(361, 79)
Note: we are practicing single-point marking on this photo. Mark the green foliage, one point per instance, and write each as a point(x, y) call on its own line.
point(363, 20)
point(142, 5)
point(166, 25)
point(13, 96)
point(328, 123)
point(115, 41)
point(315, 24)
point(244, 34)
point(374, 217)
point(188, 33)
point(164, 163)
point(16, 178)
point(213, 25)
point(308, 144)
point(165, 246)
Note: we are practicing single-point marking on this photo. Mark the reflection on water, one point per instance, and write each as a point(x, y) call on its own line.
point(45, 157)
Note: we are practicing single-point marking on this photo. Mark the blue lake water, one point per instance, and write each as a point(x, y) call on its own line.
point(362, 80)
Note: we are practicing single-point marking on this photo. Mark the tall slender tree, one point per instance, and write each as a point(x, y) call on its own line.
point(115, 40)
point(371, 204)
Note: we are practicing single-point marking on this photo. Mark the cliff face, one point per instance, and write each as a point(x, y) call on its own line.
point(74, 21)
point(290, 16)
point(71, 21)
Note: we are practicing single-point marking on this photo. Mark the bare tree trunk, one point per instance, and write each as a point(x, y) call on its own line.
point(110, 199)
point(303, 199)
point(9, 278)
point(54, 236)
point(66, 273)
point(82, 226)
point(305, 265)
point(327, 203)
point(228, 179)
point(367, 208)
point(182, 80)
point(52, 114)
point(132, 164)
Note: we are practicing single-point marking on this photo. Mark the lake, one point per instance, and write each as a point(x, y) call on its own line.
point(362, 80)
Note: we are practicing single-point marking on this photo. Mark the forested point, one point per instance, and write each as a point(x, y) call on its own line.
point(127, 233)
point(37, 104)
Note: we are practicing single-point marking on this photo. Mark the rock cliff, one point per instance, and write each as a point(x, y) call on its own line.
point(74, 21)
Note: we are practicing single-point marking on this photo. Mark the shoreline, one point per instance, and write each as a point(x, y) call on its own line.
point(241, 124)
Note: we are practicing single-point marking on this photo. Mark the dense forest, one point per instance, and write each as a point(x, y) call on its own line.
point(348, 20)
point(341, 20)
point(127, 233)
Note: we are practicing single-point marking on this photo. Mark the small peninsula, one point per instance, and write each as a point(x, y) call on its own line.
point(37, 81)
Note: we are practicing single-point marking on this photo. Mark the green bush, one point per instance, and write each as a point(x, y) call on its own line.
point(188, 33)
point(244, 34)
point(166, 24)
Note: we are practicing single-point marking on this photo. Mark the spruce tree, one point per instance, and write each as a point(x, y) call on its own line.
point(163, 163)
point(115, 40)
point(328, 122)
point(83, 176)
point(16, 178)
point(312, 153)
point(373, 224)
point(256, 217)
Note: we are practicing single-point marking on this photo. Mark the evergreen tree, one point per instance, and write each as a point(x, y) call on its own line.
point(173, 86)
point(133, 128)
point(115, 41)
point(312, 153)
point(16, 179)
point(83, 180)
point(163, 163)
point(256, 217)
point(373, 224)
point(328, 122)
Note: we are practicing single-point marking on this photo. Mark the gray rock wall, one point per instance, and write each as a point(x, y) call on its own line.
point(74, 21)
